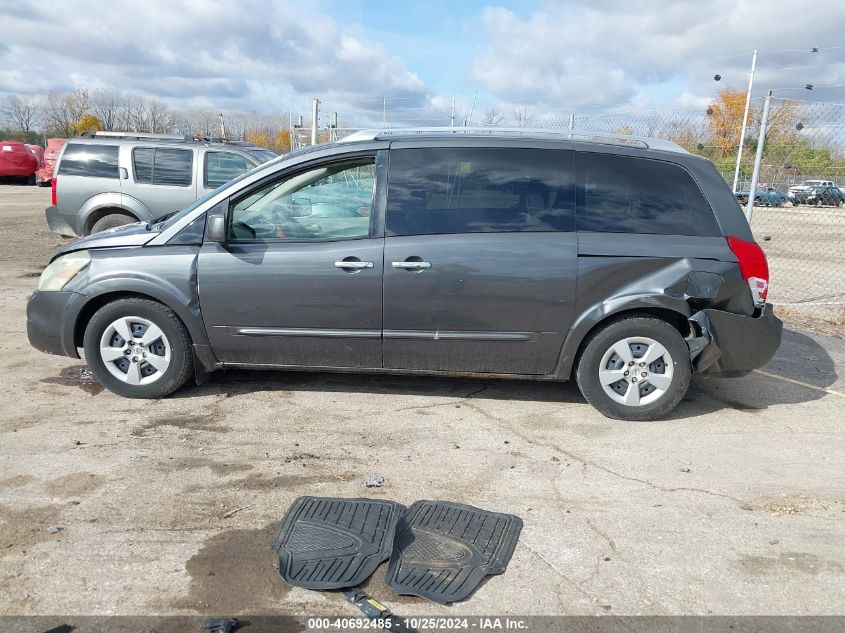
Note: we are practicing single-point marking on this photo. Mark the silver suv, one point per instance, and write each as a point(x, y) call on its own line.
point(113, 179)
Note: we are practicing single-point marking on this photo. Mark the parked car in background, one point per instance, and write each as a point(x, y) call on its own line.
point(814, 195)
point(111, 179)
point(770, 196)
point(797, 194)
point(38, 152)
point(620, 261)
point(18, 161)
point(826, 196)
point(44, 175)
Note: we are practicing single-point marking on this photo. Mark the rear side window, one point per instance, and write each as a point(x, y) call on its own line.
point(456, 190)
point(163, 166)
point(221, 167)
point(84, 159)
point(624, 194)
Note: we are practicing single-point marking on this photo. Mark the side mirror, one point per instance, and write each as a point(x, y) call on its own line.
point(215, 229)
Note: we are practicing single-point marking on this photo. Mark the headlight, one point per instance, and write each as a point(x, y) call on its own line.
point(62, 270)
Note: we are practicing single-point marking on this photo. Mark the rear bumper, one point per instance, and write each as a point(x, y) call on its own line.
point(61, 223)
point(738, 343)
point(50, 320)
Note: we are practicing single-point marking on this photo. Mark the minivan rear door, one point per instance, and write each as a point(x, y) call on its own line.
point(480, 257)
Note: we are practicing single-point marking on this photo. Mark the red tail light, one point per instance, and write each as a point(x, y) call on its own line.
point(53, 195)
point(754, 267)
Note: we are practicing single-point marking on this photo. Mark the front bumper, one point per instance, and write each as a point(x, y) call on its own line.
point(738, 343)
point(61, 223)
point(50, 320)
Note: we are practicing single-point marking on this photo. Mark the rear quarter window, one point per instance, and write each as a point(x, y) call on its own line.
point(163, 166)
point(626, 194)
point(95, 161)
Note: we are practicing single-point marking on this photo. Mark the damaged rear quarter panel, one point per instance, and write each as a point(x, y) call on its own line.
point(623, 272)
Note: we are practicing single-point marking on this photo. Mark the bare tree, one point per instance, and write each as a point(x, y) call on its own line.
point(63, 112)
point(22, 113)
point(492, 116)
point(520, 116)
point(108, 106)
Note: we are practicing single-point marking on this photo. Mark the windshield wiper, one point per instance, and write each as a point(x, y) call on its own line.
point(160, 220)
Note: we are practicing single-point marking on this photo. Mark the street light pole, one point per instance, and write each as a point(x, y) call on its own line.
point(745, 119)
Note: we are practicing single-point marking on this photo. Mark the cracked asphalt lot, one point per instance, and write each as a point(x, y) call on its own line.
point(734, 505)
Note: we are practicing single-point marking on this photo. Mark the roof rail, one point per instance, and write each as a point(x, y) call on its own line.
point(588, 137)
point(140, 135)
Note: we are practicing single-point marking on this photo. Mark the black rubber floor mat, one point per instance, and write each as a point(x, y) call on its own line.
point(443, 550)
point(328, 543)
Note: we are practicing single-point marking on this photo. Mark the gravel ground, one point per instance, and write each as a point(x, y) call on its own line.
point(734, 505)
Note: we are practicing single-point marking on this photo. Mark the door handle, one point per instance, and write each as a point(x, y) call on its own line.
point(412, 265)
point(353, 265)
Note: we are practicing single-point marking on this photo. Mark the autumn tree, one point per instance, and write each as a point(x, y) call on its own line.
point(724, 120)
point(87, 123)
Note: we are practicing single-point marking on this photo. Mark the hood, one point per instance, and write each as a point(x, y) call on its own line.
point(125, 236)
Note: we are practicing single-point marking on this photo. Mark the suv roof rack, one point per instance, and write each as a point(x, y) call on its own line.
point(587, 137)
point(136, 135)
point(181, 138)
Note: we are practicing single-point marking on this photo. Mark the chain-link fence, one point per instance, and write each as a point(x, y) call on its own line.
point(799, 211)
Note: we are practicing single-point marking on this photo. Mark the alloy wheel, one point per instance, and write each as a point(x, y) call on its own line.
point(135, 350)
point(636, 371)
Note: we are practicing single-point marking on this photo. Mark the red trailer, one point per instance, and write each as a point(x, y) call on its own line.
point(44, 175)
point(17, 160)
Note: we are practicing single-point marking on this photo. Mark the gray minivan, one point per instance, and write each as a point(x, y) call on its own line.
point(624, 262)
point(112, 179)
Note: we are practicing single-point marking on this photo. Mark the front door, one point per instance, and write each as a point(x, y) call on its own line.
point(298, 282)
point(480, 259)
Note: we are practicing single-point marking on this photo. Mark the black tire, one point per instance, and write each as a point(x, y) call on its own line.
point(111, 221)
point(44, 183)
point(30, 180)
point(181, 352)
point(600, 342)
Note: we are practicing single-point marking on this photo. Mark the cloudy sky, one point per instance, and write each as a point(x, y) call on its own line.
point(551, 58)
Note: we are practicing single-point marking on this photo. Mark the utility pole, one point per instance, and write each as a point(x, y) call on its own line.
point(758, 158)
point(471, 109)
point(222, 127)
point(571, 122)
point(315, 110)
point(452, 115)
point(745, 119)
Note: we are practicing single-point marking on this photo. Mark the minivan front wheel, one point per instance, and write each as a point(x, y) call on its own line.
point(138, 348)
point(635, 368)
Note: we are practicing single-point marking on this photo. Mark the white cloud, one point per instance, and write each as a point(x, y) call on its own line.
point(568, 56)
point(247, 55)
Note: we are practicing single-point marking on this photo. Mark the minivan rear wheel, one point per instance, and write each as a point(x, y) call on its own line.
point(111, 221)
point(635, 368)
point(138, 348)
